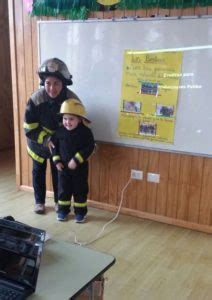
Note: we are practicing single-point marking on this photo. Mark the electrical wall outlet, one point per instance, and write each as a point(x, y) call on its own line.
point(136, 174)
point(153, 177)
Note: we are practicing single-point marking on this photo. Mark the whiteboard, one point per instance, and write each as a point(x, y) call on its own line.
point(93, 51)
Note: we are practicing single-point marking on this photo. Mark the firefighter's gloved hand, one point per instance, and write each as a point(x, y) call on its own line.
point(72, 164)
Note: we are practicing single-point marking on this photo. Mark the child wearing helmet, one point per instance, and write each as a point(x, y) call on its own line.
point(41, 120)
point(73, 144)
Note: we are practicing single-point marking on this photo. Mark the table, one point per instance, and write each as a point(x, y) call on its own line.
point(67, 269)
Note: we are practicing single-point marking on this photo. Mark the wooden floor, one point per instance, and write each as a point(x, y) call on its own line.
point(154, 261)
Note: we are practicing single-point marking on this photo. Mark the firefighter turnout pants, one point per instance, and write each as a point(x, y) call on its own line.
point(73, 183)
point(39, 180)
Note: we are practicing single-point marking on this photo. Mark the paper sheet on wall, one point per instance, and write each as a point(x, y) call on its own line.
point(150, 85)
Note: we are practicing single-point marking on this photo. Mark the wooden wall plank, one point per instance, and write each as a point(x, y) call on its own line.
point(153, 167)
point(164, 12)
point(104, 173)
point(115, 157)
point(201, 10)
point(152, 12)
point(185, 169)
point(118, 173)
point(143, 160)
point(18, 10)
point(206, 194)
point(162, 191)
point(190, 11)
point(209, 10)
point(98, 14)
point(183, 202)
point(118, 14)
point(29, 76)
point(197, 164)
point(34, 55)
point(108, 14)
point(194, 203)
point(172, 185)
point(195, 189)
point(141, 13)
point(175, 12)
point(183, 187)
point(27, 33)
point(6, 104)
point(14, 72)
point(131, 163)
point(94, 175)
point(129, 13)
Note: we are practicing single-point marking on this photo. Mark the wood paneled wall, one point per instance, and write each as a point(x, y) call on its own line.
point(6, 104)
point(184, 195)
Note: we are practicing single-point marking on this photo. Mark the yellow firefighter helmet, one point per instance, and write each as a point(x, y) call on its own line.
point(74, 107)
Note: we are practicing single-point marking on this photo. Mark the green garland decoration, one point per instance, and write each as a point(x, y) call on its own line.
point(69, 9)
point(80, 9)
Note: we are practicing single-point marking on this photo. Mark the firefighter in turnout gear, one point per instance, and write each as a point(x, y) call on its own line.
point(74, 143)
point(41, 120)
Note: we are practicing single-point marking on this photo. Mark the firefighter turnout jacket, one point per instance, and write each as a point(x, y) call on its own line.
point(41, 120)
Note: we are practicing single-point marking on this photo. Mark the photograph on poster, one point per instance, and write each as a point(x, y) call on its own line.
point(149, 88)
point(165, 110)
point(132, 106)
point(148, 128)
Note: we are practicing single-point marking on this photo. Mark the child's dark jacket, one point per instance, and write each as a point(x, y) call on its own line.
point(77, 144)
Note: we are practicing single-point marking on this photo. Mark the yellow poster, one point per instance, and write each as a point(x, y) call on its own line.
point(150, 85)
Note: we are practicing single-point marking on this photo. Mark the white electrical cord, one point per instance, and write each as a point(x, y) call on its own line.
point(109, 222)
